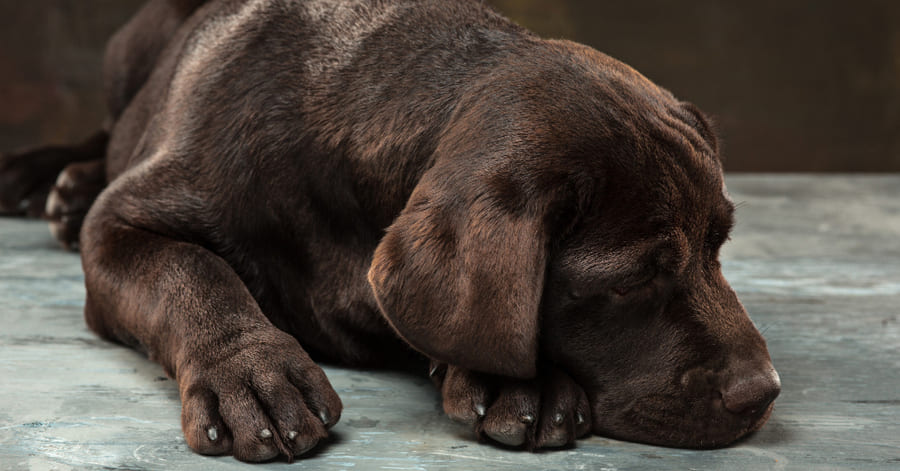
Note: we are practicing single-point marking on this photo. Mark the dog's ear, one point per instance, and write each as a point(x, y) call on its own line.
point(460, 273)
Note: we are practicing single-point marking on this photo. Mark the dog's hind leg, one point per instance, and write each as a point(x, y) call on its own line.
point(27, 177)
point(71, 196)
point(61, 182)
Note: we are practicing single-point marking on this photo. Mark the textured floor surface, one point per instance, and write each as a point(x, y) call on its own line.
point(816, 261)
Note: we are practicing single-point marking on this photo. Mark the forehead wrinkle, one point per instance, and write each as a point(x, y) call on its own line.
point(688, 150)
point(667, 250)
point(684, 121)
point(689, 190)
point(587, 260)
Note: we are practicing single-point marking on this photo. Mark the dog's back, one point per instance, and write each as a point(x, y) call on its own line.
point(311, 69)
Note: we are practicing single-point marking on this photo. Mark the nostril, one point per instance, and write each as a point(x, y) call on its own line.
point(751, 395)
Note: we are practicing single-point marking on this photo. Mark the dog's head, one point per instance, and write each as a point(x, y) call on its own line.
point(574, 216)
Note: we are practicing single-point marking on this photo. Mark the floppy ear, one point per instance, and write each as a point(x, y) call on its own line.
point(460, 273)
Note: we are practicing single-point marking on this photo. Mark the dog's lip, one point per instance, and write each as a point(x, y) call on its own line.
point(722, 428)
point(763, 419)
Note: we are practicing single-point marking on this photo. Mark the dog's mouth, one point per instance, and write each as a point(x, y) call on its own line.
point(672, 422)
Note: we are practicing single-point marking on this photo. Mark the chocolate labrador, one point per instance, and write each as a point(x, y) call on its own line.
point(363, 181)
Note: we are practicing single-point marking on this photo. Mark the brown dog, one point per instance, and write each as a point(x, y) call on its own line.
point(349, 178)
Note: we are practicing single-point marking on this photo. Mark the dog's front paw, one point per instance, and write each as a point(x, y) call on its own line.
point(548, 412)
point(266, 399)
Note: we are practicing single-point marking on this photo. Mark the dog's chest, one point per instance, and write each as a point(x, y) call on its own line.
point(312, 283)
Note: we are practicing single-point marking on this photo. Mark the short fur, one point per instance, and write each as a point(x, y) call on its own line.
point(349, 179)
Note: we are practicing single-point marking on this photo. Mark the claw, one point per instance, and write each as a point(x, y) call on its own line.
point(265, 433)
point(527, 419)
point(579, 418)
point(324, 417)
point(212, 433)
point(479, 409)
point(292, 435)
point(558, 418)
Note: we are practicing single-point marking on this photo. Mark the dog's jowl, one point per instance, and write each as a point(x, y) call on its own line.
point(375, 182)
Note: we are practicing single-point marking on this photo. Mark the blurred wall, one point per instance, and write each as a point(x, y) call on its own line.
point(794, 85)
point(809, 85)
point(51, 53)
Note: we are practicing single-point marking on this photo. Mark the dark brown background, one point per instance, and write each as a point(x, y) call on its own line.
point(811, 85)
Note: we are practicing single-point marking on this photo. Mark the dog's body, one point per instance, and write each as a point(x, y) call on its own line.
point(357, 177)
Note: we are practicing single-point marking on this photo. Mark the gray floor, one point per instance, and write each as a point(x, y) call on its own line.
point(816, 260)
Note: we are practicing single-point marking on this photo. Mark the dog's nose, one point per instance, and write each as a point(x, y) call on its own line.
point(751, 395)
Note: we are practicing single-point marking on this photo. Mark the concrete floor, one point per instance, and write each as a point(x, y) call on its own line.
point(815, 259)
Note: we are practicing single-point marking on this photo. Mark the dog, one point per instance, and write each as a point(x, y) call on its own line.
point(373, 182)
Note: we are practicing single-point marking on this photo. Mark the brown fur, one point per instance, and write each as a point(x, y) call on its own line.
point(349, 179)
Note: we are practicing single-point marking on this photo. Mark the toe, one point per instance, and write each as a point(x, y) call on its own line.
point(204, 430)
point(565, 412)
point(254, 440)
point(465, 394)
point(320, 398)
point(298, 428)
point(557, 430)
point(511, 419)
point(582, 417)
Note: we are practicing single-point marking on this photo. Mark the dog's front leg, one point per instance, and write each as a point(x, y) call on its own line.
point(247, 388)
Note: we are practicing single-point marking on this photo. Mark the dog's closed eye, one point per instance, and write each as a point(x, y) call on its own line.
point(635, 284)
point(621, 286)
